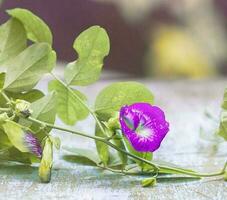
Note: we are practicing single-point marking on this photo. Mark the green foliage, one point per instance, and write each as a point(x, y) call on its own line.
point(69, 107)
point(109, 101)
point(27, 68)
point(16, 135)
point(114, 96)
point(30, 96)
point(44, 109)
point(13, 40)
point(92, 46)
point(24, 108)
point(37, 30)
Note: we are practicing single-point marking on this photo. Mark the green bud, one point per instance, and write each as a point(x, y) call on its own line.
point(147, 182)
point(113, 123)
point(46, 162)
point(22, 108)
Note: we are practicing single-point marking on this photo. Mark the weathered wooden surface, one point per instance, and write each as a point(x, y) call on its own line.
point(184, 103)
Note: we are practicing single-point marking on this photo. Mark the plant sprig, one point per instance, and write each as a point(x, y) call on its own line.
point(27, 116)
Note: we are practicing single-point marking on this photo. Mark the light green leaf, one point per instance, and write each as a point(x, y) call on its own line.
point(2, 99)
point(111, 99)
point(13, 154)
point(27, 68)
point(2, 79)
point(12, 40)
point(114, 96)
point(92, 46)
point(36, 28)
point(69, 108)
point(16, 135)
point(4, 141)
point(44, 110)
point(30, 96)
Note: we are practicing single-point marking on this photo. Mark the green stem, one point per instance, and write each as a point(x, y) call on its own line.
point(65, 129)
point(155, 166)
point(94, 138)
point(5, 109)
point(196, 174)
point(5, 96)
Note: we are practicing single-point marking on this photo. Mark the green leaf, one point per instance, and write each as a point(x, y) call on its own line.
point(111, 99)
point(13, 154)
point(13, 40)
point(27, 68)
point(4, 141)
point(30, 96)
point(102, 149)
point(36, 28)
point(2, 99)
point(114, 96)
point(16, 135)
point(2, 79)
point(92, 46)
point(69, 108)
point(44, 110)
point(80, 154)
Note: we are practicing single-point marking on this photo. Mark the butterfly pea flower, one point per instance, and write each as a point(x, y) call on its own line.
point(23, 139)
point(144, 126)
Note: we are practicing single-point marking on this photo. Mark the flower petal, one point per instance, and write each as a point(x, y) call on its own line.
point(144, 126)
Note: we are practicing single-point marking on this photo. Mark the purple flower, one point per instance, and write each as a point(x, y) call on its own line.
point(144, 126)
point(33, 144)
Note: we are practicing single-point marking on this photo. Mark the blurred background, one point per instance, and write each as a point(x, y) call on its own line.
point(152, 38)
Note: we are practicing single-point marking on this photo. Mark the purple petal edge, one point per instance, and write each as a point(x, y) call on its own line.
point(149, 126)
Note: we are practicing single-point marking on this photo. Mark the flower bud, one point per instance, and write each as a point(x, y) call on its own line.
point(46, 162)
point(23, 108)
point(23, 139)
point(113, 123)
point(149, 182)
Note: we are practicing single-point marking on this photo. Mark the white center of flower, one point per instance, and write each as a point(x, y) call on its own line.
point(144, 132)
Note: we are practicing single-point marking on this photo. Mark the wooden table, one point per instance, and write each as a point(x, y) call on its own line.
point(184, 103)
